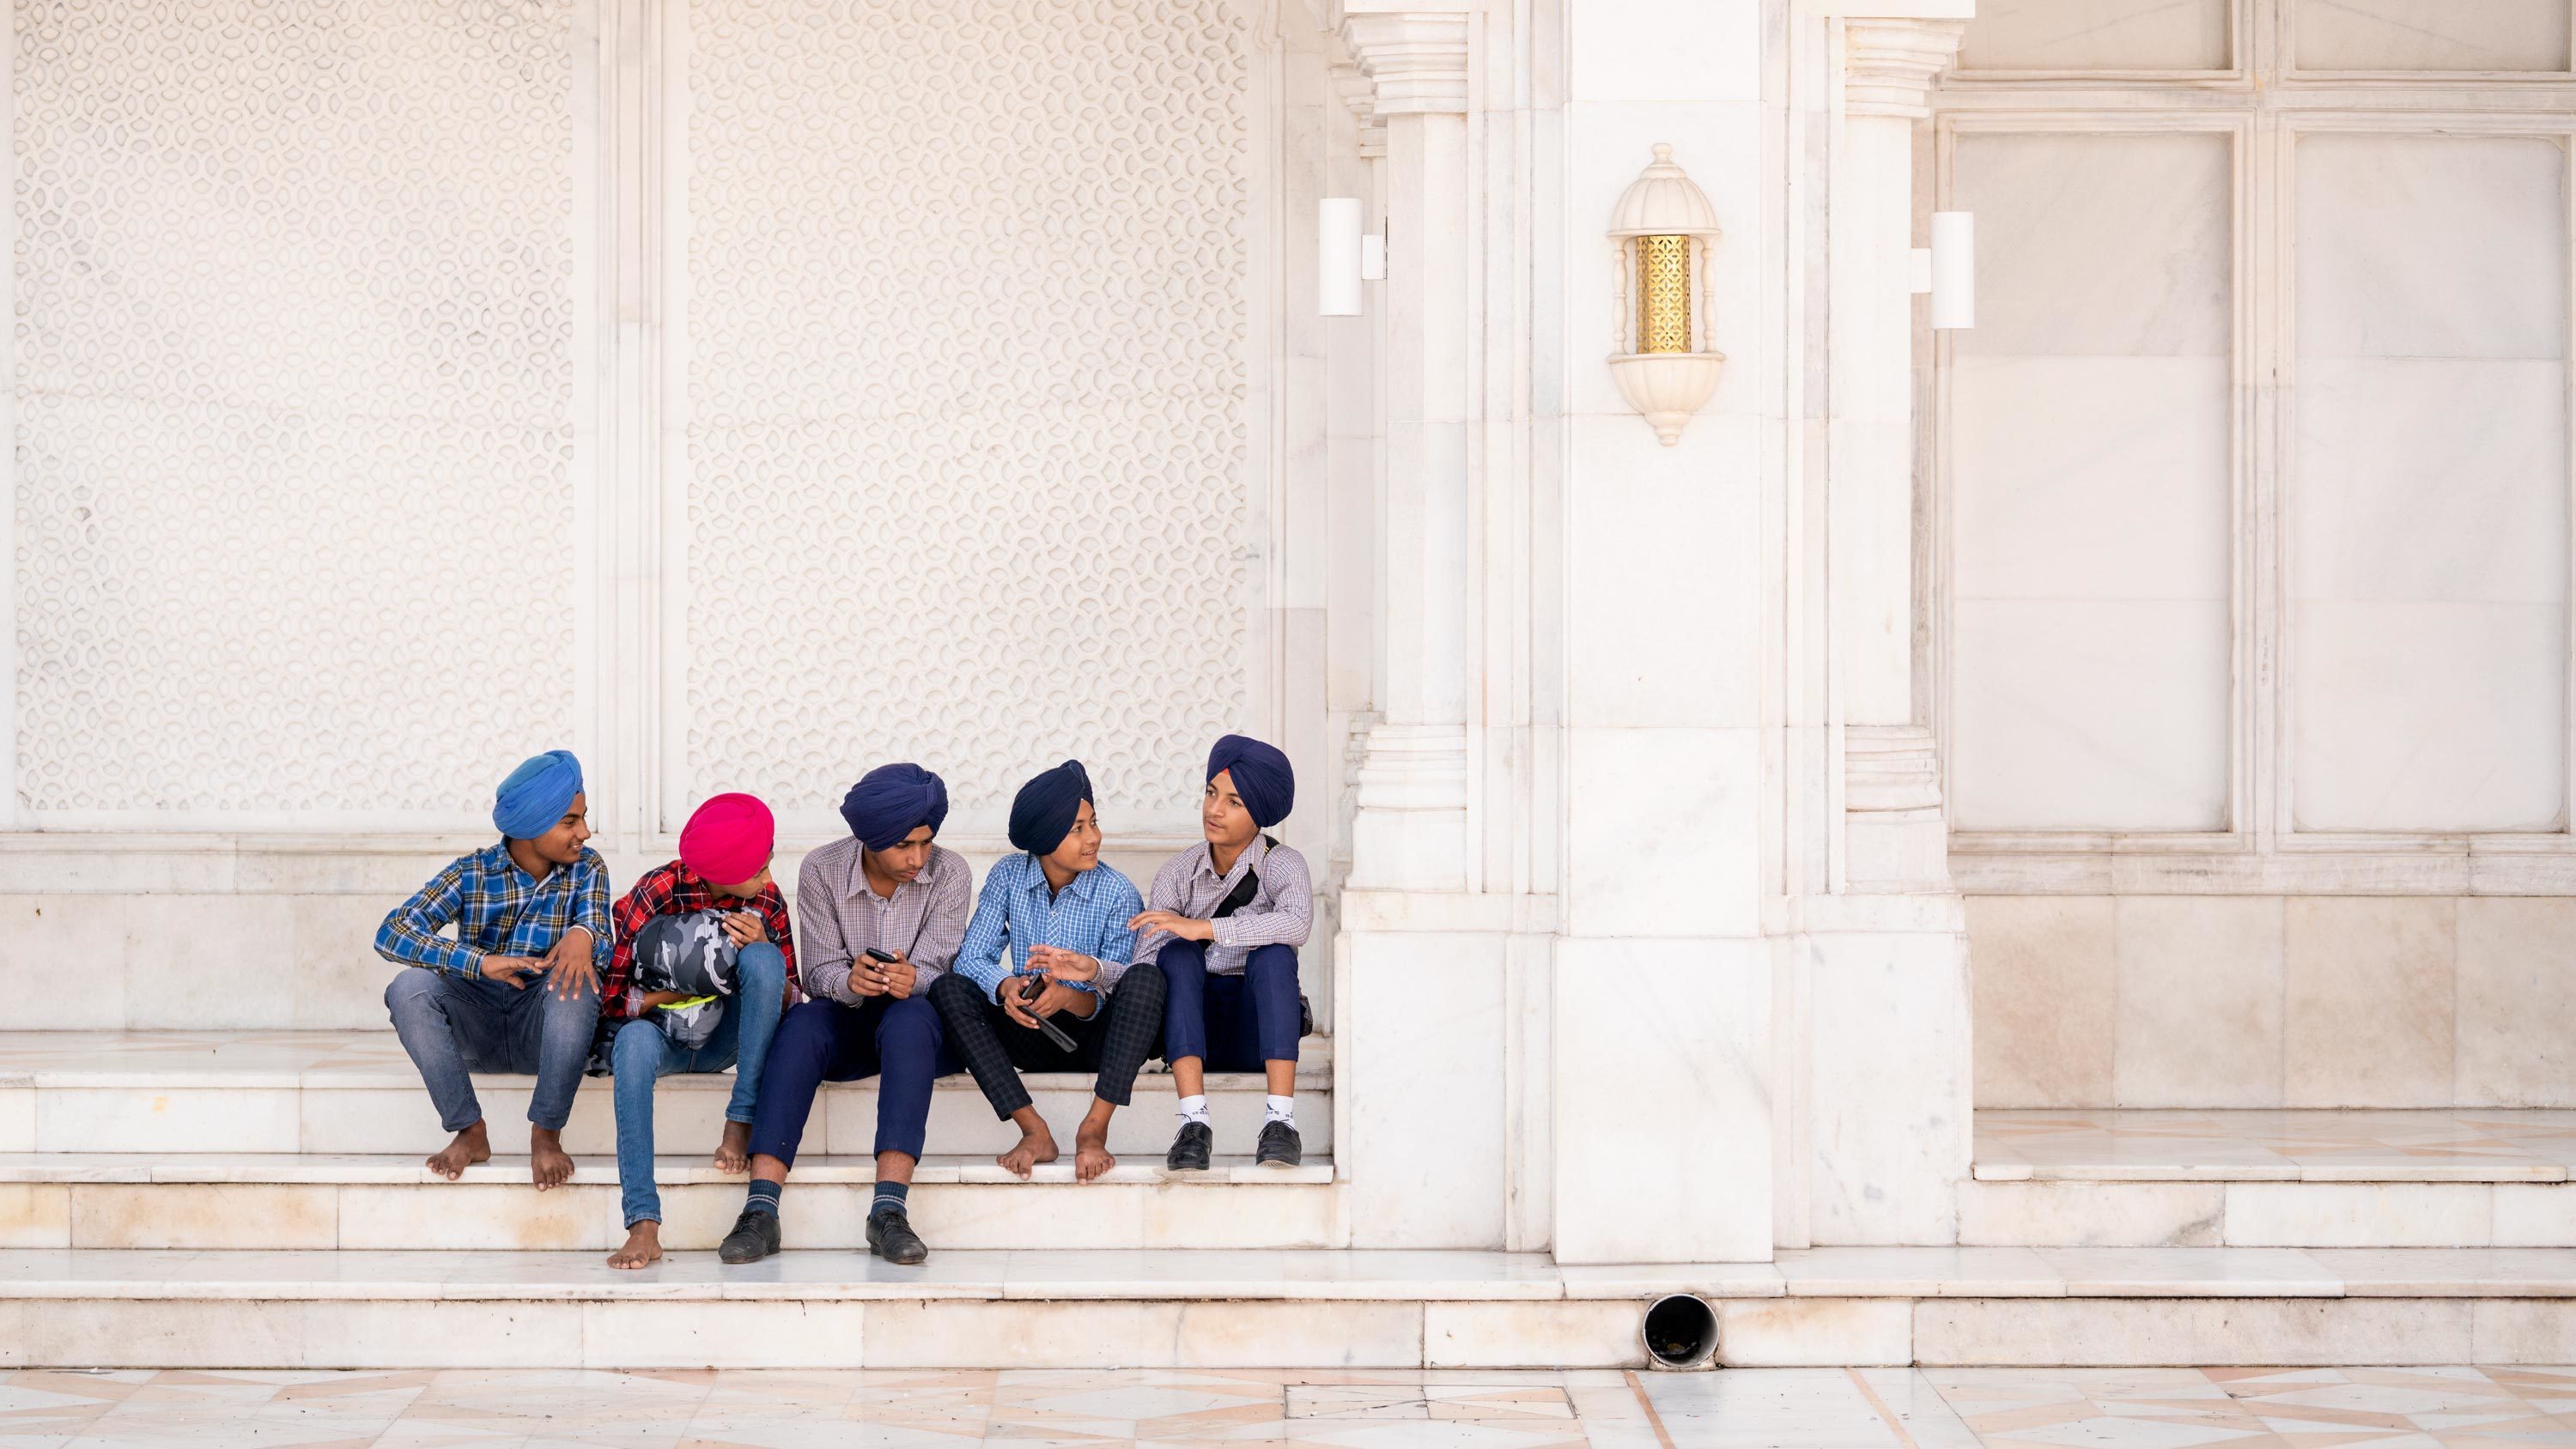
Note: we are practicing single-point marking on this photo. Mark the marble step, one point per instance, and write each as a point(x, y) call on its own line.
point(1063, 1308)
point(355, 1092)
point(2455, 1178)
point(315, 1201)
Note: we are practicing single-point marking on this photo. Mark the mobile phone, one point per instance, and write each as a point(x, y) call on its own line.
point(874, 954)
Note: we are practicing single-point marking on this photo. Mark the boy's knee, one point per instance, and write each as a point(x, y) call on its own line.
point(407, 988)
point(761, 961)
point(1267, 959)
point(953, 989)
point(1147, 984)
point(908, 1025)
point(637, 1041)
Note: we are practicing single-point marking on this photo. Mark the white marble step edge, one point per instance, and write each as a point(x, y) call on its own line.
point(1160, 1275)
point(1314, 1075)
point(2185, 1171)
point(406, 1168)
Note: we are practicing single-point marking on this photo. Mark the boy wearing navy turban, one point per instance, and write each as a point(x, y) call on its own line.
point(1223, 923)
point(886, 889)
point(1062, 917)
point(517, 990)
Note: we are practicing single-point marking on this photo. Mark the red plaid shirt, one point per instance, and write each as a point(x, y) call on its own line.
point(676, 890)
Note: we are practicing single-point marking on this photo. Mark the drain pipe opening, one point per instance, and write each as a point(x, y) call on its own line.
point(1680, 1332)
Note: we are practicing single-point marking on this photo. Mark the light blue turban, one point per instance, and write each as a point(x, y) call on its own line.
point(536, 795)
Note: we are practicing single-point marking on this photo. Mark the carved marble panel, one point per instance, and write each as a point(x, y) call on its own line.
point(966, 391)
point(293, 395)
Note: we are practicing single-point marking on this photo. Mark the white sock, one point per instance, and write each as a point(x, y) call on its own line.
point(1281, 1109)
point(1194, 1109)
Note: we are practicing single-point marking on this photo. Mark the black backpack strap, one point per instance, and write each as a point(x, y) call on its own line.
point(1244, 889)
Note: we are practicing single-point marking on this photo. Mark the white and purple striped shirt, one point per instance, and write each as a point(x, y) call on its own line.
point(1280, 913)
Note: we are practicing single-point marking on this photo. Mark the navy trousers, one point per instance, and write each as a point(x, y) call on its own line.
point(900, 1043)
point(1230, 1023)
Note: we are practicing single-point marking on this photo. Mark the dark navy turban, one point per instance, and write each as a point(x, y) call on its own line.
point(1042, 815)
point(1261, 776)
point(536, 795)
point(892, 801)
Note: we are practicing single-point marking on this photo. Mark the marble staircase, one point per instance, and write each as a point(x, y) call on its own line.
point(256, 1199)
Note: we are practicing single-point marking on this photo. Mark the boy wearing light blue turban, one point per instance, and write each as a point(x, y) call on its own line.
point(517, 989)
point(1223, 922)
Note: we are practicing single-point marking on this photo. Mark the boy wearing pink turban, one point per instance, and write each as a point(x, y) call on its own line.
point(723, 867)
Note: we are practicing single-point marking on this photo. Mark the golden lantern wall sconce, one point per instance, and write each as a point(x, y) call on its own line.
point(1664, 228)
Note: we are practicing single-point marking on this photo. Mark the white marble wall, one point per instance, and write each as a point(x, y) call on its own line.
point(2059, 35)
point(2427, 502)
point(2272, 1001)
point(2090, 482)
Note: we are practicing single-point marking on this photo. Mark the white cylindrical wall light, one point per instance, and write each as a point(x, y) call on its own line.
point(1337, 256)
point(1954, 269)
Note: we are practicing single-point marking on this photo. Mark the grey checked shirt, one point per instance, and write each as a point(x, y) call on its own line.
point(1280, 913)
point(840, 917)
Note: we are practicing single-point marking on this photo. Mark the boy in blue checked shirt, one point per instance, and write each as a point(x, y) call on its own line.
point(517, 989)
point(1062, 917)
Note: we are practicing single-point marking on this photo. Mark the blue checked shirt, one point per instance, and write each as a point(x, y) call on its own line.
point(1089, 915)
point(498, 910)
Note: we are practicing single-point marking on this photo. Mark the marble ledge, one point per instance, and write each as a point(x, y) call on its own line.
point(1848, 1275)
point(403, 1169)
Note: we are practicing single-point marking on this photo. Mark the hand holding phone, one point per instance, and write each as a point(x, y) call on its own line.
point(1031, 988)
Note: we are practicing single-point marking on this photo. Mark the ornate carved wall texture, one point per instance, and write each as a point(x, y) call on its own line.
point(966, 385)
point(293, 393)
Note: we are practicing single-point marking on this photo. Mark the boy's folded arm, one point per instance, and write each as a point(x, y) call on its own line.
point(410, 936)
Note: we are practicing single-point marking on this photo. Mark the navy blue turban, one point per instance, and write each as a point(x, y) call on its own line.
point(892, 801)
point(1261, 776)
point(1043, 812)
point(536, 795)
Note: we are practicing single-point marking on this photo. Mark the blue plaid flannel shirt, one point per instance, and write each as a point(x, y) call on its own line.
point(1089, 915)
point(498, 910)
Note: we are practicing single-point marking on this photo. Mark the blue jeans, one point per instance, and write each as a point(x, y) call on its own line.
point(641, 1055)
point(1230, 1023)
point(455, 1025)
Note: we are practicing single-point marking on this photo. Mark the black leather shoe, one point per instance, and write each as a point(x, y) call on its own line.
point(890, 1236)
point(1279, 1146)
point(1189, 1149)
point(754, 1237)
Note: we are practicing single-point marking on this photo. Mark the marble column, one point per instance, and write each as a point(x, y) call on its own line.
point(1411, 829)
point(1422, 1083)
point(1662, 977)
point(1882, 953)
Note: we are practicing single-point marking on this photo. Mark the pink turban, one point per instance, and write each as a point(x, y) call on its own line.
point(728, 840)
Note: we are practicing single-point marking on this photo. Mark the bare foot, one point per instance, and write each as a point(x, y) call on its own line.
point(1037, 1145)
point(1091, 1152)
point(733, 1154)
point(548, 1164)
point(643, 1245)
point(470, 1146)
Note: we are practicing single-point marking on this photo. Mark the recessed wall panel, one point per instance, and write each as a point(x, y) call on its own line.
point(2047, 35)
point(2435, 35)
point(2427, 505)
point(293, 387)
point(2090, 429)
point(966, 391)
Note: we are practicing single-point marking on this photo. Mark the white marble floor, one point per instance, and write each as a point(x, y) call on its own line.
point(1804, 1408)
